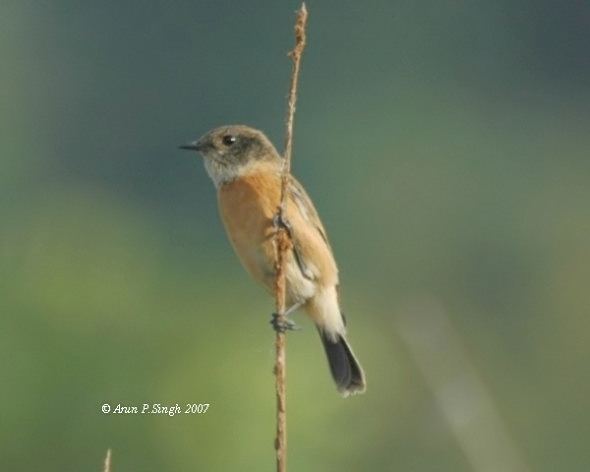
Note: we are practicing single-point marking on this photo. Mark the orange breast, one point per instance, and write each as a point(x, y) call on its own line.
point(247, 206)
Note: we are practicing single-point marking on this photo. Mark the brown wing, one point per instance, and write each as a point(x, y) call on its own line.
point(310, 242)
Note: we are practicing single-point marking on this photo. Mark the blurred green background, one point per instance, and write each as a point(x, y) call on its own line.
point(446, 145)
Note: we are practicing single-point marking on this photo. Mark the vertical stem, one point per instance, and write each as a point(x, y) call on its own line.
point(107, 461)
point(295, 55)
point(283, 244)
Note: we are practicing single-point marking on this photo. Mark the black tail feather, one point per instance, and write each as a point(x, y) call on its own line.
point(346, 370)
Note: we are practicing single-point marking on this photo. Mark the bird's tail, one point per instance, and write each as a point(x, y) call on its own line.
point(345, 368)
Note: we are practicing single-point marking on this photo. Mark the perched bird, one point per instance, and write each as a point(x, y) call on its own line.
point(246, 170)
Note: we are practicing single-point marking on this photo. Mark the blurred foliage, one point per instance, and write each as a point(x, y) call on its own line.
point(446, 146)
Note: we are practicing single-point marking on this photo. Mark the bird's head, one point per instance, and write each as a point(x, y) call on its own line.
point(234, 150)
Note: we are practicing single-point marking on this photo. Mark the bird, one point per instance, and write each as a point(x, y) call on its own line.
point(246, 170)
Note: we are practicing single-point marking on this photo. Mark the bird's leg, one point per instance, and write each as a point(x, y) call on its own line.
point(279, 221)
point(282, 324)
point(293, 308)
point(285, 324)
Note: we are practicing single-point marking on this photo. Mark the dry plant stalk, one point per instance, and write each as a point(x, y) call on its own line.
point(283, 244)
point(107, 462)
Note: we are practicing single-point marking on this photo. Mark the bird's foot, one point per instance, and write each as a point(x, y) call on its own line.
point(282, 324)
point(279, 221)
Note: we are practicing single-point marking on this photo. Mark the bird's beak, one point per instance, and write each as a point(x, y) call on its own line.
point(194, 146)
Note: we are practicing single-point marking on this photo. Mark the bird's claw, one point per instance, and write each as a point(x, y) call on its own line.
point(279, 221)
point(282, 324)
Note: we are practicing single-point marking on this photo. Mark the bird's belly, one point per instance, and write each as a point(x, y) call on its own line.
point(247, 213)
point(299, 288)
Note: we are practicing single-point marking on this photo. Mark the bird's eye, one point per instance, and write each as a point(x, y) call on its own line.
point(228, 139)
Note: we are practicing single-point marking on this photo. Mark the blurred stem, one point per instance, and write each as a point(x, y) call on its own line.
point(107, 461)
point(465, 402)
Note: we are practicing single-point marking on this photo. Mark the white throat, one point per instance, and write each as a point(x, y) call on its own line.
point(221, 174)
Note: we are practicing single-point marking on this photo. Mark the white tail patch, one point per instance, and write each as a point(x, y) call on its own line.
point(324, 310)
